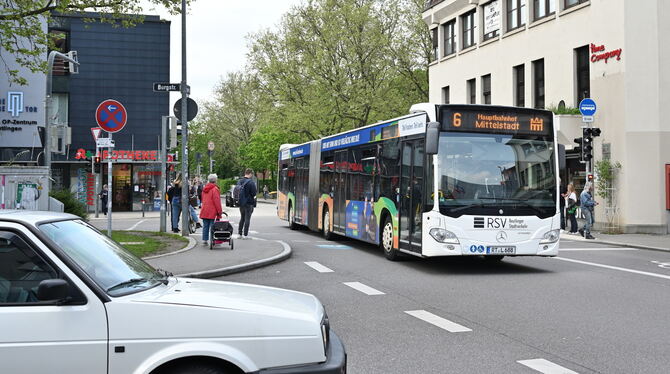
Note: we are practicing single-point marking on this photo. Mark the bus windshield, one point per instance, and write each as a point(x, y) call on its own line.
point(485, 173)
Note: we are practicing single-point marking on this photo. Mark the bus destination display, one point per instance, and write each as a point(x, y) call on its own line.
point(486, 121)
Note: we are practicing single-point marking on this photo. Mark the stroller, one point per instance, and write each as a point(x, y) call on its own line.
point(221, 232)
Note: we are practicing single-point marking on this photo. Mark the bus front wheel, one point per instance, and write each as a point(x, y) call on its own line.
point(327, 234)
point(387, 240)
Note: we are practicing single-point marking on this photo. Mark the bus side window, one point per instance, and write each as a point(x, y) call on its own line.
point(389, 159)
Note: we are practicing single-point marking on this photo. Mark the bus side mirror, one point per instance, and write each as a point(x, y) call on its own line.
point(432, 138)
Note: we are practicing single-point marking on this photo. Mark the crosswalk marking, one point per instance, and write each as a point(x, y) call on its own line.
point(318, 267)
point(546, 367)
point(363, 288)
point(437, 321)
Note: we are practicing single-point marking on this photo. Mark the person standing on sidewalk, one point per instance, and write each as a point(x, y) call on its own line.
point(104, 196)
point(248, 193)
point(587, 204)
point(211, 206)
point(571, 204)
point(174, 194)
point(266, 192)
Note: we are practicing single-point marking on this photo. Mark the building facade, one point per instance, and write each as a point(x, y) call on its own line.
point(550, 53)
point(119, 63)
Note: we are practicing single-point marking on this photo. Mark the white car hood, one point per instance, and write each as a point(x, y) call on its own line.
point(233, 296)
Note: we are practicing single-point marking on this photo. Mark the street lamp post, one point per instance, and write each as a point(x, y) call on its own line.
point(47, 109)
point(185, 213)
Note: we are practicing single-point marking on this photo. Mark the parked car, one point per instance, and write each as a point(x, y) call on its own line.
point(230, 197)
point(74, 301)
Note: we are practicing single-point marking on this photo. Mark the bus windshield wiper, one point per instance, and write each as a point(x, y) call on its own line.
point(465, 207)
point(525, 204)
point(129, 282)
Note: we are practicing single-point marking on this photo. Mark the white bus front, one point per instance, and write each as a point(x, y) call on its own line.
point(495, 171)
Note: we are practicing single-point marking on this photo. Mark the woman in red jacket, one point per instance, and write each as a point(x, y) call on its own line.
point(211, 206)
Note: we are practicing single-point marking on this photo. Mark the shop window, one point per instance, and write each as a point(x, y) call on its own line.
point(543, 8)
point(582, 73)
point(520, 85)
point(472, 91)
point(468, 22)
point(449, 32)
point(516, 14)
point(486, 89)
point(538, 84)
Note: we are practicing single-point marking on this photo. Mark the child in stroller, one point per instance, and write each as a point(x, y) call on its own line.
point(221, 232)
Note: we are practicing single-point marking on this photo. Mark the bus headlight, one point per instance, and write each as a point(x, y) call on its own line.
point(550, 237)
point(443, 236)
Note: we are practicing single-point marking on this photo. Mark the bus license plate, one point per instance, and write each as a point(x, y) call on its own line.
point(500, 250)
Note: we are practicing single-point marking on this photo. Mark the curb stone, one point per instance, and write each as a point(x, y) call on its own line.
point(609, 242)
point(191, 244)
point(214, 273)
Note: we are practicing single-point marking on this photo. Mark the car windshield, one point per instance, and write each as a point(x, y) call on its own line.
point(483, 173)
point(112, 267)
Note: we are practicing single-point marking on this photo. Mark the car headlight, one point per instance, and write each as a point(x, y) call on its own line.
point(325, 331)
point(443, 236)
point(550, 237)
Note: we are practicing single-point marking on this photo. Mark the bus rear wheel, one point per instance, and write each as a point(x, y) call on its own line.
point(291, 218)
point(387, 241)
point(327, 234)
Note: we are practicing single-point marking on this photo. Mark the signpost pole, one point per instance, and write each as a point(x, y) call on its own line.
point(110, 196)
point(95, 176)
point(164, 123)
point(184, 128)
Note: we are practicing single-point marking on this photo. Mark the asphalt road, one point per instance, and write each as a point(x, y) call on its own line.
point(593, 309)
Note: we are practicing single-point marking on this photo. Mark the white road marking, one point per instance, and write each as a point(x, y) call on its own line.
point(437, 321)
point(595, 249)
point(135, 225)
point(614, 268)
point(131, 243)
point(363, 288)
point(664, 265)
point(546, 367)
point(318, 267)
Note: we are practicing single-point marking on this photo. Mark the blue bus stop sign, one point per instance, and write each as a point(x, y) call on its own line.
point(587, 107)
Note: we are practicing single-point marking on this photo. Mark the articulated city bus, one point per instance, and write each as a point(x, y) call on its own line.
point(444, 180)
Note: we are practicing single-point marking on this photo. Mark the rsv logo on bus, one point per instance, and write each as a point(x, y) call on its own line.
point(490, 223)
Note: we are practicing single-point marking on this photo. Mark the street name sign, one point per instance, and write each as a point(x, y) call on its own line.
point(166, 87)
point(104, 143)
point(111, 115)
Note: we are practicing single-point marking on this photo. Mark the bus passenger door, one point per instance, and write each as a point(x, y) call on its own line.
point(340, 198)
point(411, 195)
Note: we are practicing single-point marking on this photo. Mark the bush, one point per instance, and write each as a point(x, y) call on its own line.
point(225, 184)
point(566, 110)
point(70, 203)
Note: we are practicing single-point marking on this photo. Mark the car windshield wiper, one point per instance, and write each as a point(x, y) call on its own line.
point(129, 282)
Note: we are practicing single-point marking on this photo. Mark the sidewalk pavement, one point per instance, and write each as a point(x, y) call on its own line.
point(198, 261)
point(643, 241)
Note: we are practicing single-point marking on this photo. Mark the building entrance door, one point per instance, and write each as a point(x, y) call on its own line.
point(122, 193)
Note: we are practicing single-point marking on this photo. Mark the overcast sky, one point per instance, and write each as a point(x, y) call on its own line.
point(216, 38)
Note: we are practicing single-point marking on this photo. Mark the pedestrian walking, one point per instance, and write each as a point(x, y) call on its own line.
point(571, 208)
point(104, 198)
point(193, 202)
point(248, 193)
point(587, 204)
point(266, 192)
point(211, 206)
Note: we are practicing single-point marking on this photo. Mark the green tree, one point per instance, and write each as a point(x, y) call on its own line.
point(261, 152)
point(24, 36)
point(334, 65)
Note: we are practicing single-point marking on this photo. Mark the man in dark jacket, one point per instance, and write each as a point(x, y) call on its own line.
point(248, 193)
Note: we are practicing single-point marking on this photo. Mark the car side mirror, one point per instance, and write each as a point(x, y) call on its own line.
point(53, 290)
point(432, 137)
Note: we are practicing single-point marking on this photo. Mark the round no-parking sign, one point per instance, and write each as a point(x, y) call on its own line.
point(111, 115)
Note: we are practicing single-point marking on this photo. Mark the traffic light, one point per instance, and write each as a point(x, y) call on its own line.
point(96, 165)
point(579, 148)
point(587, 143)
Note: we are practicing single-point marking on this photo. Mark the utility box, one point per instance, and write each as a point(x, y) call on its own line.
point(24, 187)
